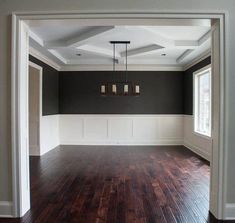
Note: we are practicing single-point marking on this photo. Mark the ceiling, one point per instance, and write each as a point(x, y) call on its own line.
point(167, 42)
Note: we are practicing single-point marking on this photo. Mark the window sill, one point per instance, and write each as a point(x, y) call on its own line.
point(202, 135)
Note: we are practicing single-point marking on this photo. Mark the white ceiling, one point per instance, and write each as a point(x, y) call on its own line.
point(169, 42)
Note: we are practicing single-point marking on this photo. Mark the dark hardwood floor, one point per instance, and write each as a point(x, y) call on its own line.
point(106, 184)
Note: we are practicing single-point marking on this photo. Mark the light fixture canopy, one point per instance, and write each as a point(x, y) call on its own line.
point(120, 88)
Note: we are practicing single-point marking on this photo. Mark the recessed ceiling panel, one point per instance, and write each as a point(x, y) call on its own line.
point(163, 43)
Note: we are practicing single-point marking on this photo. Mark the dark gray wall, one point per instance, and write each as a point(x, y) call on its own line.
point(188, 85)
point(50, 85)
point(161, 93)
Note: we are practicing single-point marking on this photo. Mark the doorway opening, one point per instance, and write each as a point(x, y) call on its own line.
point(22, 203)
point(35, 108)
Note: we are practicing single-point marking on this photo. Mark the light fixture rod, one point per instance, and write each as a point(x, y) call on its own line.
point(120, 42)
point(114, 56)
point(126, 62)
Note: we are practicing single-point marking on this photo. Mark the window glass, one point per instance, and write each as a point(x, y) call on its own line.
point(203, 102)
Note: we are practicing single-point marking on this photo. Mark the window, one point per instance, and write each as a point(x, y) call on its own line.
point(202, 101)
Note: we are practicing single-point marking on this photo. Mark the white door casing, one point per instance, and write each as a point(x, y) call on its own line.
point(21, 201)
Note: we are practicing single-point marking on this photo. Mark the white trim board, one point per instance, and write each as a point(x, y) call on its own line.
point(6, 209)
point(35, 53)
point(19, 117)
point(103, 67)
point(167, 142)
point(200, 144)
point(197, 150)
point(197, 60)
point(230, 211)
point(131, 67)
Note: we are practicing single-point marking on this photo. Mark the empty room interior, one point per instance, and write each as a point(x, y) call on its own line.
point(119, 120)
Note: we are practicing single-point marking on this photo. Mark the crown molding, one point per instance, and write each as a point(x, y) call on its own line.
point(198, 59)
point(35, 53)
point(131, 67)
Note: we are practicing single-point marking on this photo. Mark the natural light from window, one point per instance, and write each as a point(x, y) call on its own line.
point(202, 101)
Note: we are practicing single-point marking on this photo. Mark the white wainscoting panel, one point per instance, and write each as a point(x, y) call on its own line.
point(230, 211)
point(49, 133)
point(202, 145)
point(121, 129)
point(6, 209)
point(146, 128)
point(95, 128)
point(71, 129)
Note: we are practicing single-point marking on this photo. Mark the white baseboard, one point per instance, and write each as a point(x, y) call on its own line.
point(230, 211)
point(45, 152)
point(6, 209)
point(34, 151)
point(197, 150)
point(123, 143)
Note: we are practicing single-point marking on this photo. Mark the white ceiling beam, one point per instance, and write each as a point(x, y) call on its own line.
point(141, 50)
point(186, 44)
point(206, 37)
point(81, 39)
point(158, 39)
point(183, 56)
point(36, 38)
point(170, 43)
point(198, 59)
point(98, 50)
point(88, 35)
point(54, 45)
point(35, 53)
point(58, 56)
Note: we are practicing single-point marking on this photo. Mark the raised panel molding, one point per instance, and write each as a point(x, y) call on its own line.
point(6, 209)
point(230, 211)
point(121, 129)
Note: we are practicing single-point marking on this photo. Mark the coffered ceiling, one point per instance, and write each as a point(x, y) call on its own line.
point(71, 43)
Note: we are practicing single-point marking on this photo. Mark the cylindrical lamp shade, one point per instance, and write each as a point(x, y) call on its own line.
point(137, 89)
point(103, 89)
point(114, 88)
point(125, 88)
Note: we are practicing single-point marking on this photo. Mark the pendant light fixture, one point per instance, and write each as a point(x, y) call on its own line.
point(122, 87)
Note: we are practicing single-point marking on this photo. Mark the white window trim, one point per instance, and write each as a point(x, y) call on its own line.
point(195, 110)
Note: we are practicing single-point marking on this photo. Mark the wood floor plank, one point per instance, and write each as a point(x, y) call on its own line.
point(121, 184)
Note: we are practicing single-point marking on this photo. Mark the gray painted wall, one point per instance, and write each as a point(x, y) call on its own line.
point(8, 6)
